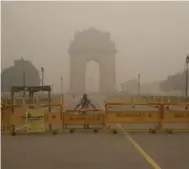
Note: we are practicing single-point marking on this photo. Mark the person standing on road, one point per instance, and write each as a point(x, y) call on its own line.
point(85, 103)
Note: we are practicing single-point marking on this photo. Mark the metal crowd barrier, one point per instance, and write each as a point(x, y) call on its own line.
point(160, 117)
point(35, 118)
point(85, 118)
point(177, 117)
point(30, 118)
point(123, 116)
point(23, 101)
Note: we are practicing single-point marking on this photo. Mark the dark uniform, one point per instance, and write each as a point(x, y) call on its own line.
point(85, 103)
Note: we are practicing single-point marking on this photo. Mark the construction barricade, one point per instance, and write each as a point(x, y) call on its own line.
point(120, 114)
point(90, 119)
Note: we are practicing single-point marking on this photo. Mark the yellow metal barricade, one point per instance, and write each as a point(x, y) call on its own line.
point(117, 120)
point(117, 116)
point(55, 118)
point(84, 117)
point(176, 119)
point(35, 120)
point(18, 119)
point(32, 118)
point(5, 119)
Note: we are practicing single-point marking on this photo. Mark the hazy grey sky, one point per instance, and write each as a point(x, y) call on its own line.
point(152, 38)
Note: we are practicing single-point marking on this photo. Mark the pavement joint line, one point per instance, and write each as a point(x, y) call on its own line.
point(137, 146)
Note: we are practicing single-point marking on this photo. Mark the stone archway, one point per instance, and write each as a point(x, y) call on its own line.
point(92, 44)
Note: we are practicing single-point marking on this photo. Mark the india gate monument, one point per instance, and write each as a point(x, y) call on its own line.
point(95, 45)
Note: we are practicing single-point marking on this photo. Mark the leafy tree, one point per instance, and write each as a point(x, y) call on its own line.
point(13, 76)
point(174, 82)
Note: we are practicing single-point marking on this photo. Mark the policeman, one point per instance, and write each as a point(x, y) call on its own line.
point(85, 103)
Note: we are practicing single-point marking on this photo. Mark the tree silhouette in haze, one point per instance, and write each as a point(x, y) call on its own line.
point(174, 82)
point(13, 76)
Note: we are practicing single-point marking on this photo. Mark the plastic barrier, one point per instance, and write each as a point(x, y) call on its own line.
point(124, 116)
point(85, 117)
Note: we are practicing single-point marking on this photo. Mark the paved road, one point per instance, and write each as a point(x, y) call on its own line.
point(167, 151)
point(77, 151)
point(96, 151)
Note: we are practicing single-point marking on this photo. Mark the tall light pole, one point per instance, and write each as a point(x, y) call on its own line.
point(184, 76)
point(24, 82)
point(52, 89)
point(42, 78)
point(61, 88)
point(186, 87)
point(138, 85)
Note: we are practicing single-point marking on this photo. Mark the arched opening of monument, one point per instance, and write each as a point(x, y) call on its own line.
point(92, 44)
point(92, 77)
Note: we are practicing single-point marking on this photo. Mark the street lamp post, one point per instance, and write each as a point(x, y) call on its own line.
point(24, 83)
point(138, 85)
point(186, 89)
point(42, 78)
point(61, 88)
point(52, 89)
